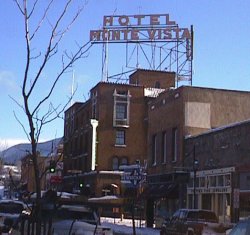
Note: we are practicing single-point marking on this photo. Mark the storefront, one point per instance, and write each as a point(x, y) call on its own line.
point(215, 190)
point(164, 194)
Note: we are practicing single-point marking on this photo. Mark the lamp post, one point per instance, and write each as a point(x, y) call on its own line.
point(195, 167)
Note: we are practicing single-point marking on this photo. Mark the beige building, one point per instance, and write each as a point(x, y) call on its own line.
point(110, 130)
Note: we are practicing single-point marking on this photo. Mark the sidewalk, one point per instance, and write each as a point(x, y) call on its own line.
point(125, 227)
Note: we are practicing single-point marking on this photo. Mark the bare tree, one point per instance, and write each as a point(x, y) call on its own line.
point(38, 58)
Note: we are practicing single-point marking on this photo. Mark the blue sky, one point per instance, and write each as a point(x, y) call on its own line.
point(221, 51)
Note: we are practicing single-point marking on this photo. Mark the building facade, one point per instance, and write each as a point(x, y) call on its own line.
point(174, 115)
point(222, 180)
point(110, 130)
point(146, 121)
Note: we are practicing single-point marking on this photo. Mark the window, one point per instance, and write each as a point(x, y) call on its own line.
point(115, 163)
point(220, 180)
point(121, 111)
point(175, 144)
point(121, 108)
point(154, 149)
point(202, 182)
point(94, 104)
point(124, 161)
point(120, 137)
point(164, 148)
point(212, 181)
point(157, 84)
point(227, 180)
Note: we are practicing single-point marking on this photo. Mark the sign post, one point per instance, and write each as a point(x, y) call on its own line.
point(134, 177)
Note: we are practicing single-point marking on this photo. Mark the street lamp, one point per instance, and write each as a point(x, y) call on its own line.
point(195, 168)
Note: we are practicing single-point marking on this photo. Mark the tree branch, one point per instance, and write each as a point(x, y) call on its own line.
point(41, 20)
point(75, 57)
point(21, 124)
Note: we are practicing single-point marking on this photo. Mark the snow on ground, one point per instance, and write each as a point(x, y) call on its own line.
point(125, 226)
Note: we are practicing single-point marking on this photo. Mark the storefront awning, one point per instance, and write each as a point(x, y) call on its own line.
point(170, 190)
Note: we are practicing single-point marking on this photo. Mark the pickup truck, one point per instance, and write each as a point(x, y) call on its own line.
point(193, 222)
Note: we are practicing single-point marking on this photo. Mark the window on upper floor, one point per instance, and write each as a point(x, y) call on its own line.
point(154, 149)
point(120, 138)
point(164, 147)
point(121, 111)
point(94, 104)
point(124, 161)
point(119, 161)
point(121, 108)
point(157, 84)
point(175, 144)
point(115, 163)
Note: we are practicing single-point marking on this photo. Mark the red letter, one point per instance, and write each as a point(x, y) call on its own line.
point(154, 20)
point(139, 17)
point(186, 34)
point(168, 22)
point(108, 20)
point(177, 31)
point(123, 20)
point(134, 34)
point(95, 35)
point(151, 33)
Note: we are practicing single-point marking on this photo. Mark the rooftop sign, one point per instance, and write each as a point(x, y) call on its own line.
point(139, 28)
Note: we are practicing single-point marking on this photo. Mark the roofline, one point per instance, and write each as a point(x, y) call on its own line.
point(217, 129)
point(212, 88)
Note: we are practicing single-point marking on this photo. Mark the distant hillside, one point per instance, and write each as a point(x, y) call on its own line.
point(17, 152)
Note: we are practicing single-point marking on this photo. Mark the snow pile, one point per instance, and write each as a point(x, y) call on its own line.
point(125, 226)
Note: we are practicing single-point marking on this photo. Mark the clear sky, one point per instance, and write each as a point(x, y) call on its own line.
point(221, 51)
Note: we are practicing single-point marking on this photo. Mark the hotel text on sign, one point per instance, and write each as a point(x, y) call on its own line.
point(139, 28)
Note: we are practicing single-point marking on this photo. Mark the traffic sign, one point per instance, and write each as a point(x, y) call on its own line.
point(134, 177)
point(55, 179)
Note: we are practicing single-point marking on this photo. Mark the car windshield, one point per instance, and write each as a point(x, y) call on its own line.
point(11, 208)
point(203, 215)
point(87, 216)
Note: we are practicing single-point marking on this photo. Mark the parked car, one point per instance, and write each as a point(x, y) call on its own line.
point(10, 214)
point(193, 222)
point(78, 220)
point(241, 228)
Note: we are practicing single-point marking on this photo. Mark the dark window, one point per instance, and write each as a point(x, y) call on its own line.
point(115, 163)
point(124, 161)
point(212, 181)
point(175, 144)
point(154, 149)
point(164, 148)
point(157, 84)
point(94, 104)
point(220, 180)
